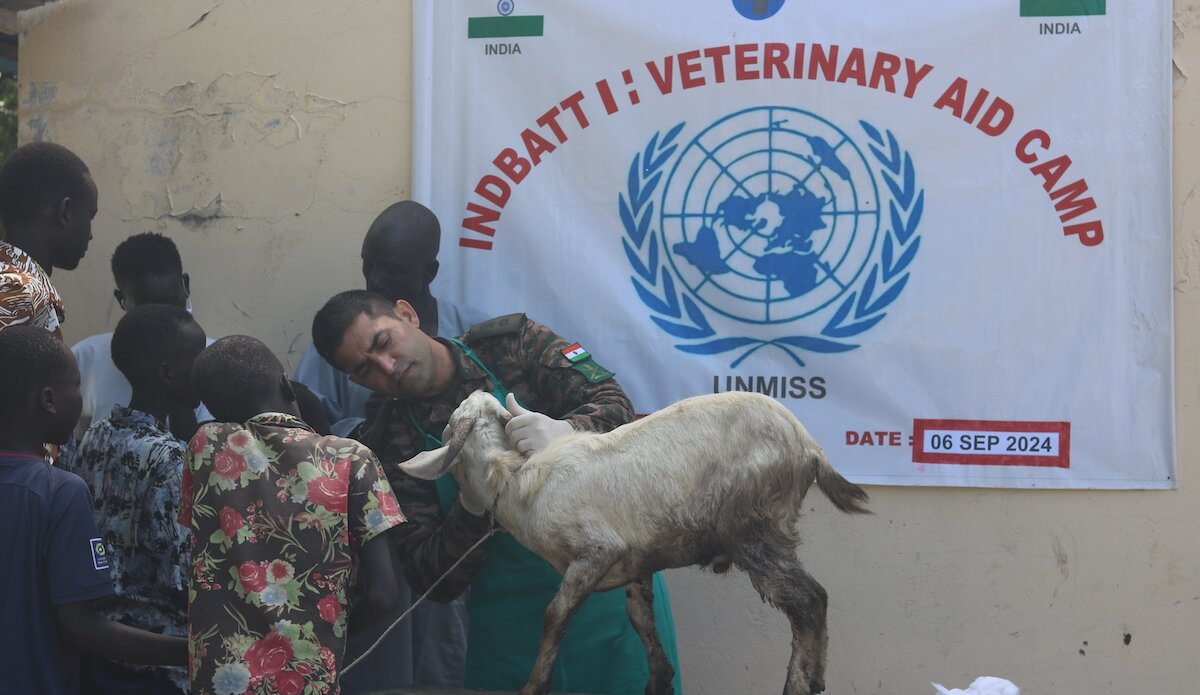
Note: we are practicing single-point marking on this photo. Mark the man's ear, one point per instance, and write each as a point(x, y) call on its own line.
point(431, 271)
point(187, 284)
point(406, 313)
point(120, 297)
point(63, 211)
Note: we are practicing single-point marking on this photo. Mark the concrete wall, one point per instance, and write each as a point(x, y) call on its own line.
point(263, 137)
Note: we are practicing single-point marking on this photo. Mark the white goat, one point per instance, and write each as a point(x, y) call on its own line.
point(711, 480)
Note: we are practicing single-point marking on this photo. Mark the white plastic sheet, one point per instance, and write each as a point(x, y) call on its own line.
point(938, 231)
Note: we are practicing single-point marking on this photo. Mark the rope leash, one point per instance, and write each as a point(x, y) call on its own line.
point(490, 532)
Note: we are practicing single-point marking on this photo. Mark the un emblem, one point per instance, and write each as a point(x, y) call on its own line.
point(757, 9)
point(773, 219)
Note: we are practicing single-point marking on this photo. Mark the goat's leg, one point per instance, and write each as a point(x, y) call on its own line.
point(578, 582)
point(639, 602)
point(781, 581)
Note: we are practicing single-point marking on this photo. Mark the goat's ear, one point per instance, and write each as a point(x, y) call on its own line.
point(427, 465)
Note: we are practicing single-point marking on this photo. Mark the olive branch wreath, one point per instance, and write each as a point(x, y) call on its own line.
point(680, 316)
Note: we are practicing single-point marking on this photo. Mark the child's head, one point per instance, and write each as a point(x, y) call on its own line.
point(238, 377)
point(154, 346)
point(39, 384)
point(148, 270)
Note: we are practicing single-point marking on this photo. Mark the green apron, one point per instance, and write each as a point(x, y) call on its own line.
point(601, 652)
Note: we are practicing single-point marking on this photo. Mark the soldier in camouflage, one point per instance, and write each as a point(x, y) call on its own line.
point(418, 382)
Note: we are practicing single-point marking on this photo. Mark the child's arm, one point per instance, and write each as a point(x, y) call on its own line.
point(105, 638)
point(381, 593)
point(77, 576)
point(374, 516)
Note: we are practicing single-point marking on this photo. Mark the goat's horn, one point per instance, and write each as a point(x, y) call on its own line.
point(458, 437)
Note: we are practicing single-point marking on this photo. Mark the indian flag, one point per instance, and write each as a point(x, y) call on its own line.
point(575, 353)
point(512, 26)
point(1061, 8)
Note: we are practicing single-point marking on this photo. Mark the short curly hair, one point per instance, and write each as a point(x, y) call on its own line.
point(144, 254)
point(147, 335)
point(37, 176)
point(234, 373)
point(31, 358)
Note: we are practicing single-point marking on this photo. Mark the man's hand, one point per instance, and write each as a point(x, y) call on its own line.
point(530, 432)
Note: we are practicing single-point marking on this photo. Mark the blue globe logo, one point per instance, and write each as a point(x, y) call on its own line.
point(757, 9)
point(770, 214)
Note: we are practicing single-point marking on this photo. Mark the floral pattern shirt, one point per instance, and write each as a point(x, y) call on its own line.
point(134, 466)
point(27, 298)
point(278, 514)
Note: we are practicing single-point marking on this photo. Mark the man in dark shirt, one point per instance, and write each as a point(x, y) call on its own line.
point(380, 345)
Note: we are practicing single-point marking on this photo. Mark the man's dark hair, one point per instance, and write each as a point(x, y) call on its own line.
point(145, 254)
point(235, 374)
point(37, 176)
point(30, 358)
point(145, 336)
point(339, 313)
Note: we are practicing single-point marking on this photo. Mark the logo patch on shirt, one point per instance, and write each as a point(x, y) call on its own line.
point(592, 371)
point(575, 353)
point(99, 554)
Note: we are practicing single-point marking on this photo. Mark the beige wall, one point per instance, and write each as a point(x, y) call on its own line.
point(263, 137)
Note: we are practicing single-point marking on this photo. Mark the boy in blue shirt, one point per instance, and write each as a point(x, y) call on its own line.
point(55, 563)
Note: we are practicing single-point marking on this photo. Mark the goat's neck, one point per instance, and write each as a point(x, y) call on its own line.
point(488, 456)
point(514, 480)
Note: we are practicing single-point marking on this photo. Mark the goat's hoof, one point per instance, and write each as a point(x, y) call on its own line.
point(816, 685)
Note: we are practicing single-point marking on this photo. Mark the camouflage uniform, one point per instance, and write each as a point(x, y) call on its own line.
point(527, 358)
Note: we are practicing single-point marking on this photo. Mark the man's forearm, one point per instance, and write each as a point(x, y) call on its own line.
point(429, 543)
point(430, 551)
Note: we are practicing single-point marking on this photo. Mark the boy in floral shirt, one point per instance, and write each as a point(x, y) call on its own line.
point(280, 516)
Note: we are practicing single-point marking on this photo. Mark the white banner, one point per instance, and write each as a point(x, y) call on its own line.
point(938, 231)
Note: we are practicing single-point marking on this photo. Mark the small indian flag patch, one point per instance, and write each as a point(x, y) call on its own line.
point(575, 353)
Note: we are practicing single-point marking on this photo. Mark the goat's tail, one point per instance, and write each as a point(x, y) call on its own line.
point(844, 494)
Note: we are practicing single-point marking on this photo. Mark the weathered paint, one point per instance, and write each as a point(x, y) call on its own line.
point(219, 125)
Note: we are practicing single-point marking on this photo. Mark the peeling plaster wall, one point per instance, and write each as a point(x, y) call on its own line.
point(264, 136)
